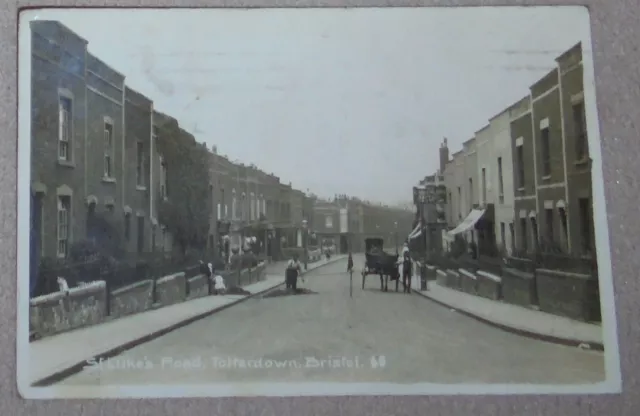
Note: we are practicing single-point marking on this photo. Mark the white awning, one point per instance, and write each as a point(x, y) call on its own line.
point(416, 231)
point(415, 235)
point(468, 222)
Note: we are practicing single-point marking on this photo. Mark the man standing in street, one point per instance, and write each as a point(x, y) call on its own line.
point(292, 271)
point(407, 267)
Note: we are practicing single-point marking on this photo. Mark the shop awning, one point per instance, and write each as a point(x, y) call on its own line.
point(468, 223)
point(416, 232)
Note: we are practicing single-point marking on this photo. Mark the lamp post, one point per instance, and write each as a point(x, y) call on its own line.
point(423, 227)
point(305, 236)
point(267, 241)
point(422, 196)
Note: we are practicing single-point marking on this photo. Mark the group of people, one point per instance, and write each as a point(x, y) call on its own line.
point(219, 287)
point(294, 269)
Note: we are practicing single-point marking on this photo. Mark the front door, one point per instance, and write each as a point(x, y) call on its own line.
point(140, 234)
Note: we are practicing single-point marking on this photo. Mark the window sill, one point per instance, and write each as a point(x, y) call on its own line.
point(108, 180)
point(66, 163)
point(141, 188)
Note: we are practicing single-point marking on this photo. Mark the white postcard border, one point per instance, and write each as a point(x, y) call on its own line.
point(612, 383)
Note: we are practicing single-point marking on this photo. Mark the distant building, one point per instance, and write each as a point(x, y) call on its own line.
point(499, 166)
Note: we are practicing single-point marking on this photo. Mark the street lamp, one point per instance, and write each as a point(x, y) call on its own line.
point(305, 242)
point(267, 241)
point(422, 196)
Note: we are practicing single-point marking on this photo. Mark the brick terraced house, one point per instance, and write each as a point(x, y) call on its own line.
point(95, 153)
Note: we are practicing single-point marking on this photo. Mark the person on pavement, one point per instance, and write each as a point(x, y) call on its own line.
point(407, 267)
point(219, 288)
point(205, 269)
point(350, 263)
point(292, 271)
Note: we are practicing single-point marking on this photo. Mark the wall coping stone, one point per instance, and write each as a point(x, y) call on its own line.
point(170, 277)
point(440, 272)
point(519, 273)
point(468, 274)
point(132, 286)
point(453, 272)
point(197, 277)
point(489, 276)
point(563, 274)
point(90, 287)
point(47, 298)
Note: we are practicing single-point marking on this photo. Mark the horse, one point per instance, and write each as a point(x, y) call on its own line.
point(388, 267)
point(384, 265)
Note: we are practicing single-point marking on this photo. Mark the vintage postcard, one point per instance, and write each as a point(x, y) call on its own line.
point(295, 202)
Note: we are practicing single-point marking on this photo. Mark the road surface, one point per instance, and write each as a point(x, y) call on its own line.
point(329, 336)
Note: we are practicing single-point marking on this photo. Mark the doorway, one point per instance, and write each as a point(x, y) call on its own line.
point(140, 234)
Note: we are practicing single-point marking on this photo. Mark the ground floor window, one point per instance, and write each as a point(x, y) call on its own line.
point(64, 209)
point(523, 234)
point(564, 233)
point(534, 233)
point(584, 208)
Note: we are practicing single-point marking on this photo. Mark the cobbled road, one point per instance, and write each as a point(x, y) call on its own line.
point(329, 336)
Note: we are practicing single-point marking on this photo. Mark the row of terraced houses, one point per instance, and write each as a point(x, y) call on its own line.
point(523, 182)
point(94, 150)
point(518, 220)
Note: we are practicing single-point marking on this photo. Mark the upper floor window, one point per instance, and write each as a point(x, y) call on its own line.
point(328, 221)
point(65, 108)
point(520, 166)
point(252, 208)
point(234, 205)
point(140, 161)
point(484, 185)
point(163, 179)
point(580, 129)
point(108, 150)
point(500, 182)
point(545, 143)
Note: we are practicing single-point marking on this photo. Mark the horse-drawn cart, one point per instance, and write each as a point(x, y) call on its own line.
point(378, 262)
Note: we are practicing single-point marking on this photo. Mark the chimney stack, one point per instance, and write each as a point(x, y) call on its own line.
point(444, 155)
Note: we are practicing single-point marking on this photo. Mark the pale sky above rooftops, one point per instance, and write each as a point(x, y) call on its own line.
point(337, 101)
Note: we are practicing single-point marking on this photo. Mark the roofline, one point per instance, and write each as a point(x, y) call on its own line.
point(575, 47)
point(58, 23)
point(107, 65)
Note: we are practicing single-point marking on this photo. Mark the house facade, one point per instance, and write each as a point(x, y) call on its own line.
point(578, 207)
point(58, 130)
point(500, 173)
point(553, 203)
point(524, 174)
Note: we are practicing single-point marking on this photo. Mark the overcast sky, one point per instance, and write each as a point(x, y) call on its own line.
point(351, 101)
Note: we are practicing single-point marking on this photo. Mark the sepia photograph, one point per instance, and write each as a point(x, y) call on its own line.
point(311, 202)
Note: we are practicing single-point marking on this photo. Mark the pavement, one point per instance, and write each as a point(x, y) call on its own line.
point(58, 356)
point(331, 336)
point(517, 319)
